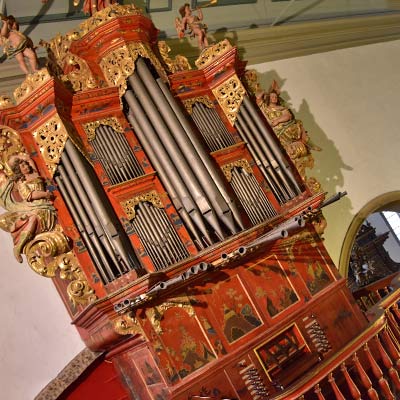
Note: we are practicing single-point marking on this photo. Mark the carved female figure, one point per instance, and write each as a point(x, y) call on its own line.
point(192, 23)
point(30, 210)
point(17, 45)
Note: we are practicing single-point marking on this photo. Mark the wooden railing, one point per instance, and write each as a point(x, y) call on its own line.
point(371, 294)
point(368, 365)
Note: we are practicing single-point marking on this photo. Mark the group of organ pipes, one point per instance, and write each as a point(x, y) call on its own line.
point(180, 203)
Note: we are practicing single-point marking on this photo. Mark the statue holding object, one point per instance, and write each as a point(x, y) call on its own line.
point(23, 194)
point(289, 130)
point(17, 45)
point(192, 24)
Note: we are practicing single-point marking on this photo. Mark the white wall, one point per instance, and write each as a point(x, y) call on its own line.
point(37, 339)
point(348, 101)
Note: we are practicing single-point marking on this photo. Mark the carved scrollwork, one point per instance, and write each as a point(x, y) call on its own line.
point(189, 103)
point(180, 63)
point(51, 138)
point(129, 205)
point(90, 127)
point(79, 74)
point(156, 313)
point(212, 52)
point(31, 83)
point(230, 95)
point(10, 144)
point(119, 64)
point(128, 324)
point(50, 251)
point(227, 168)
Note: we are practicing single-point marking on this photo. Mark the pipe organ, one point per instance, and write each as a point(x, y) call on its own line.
point(191, 236)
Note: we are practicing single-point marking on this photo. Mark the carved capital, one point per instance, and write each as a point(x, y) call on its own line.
point(230, 95)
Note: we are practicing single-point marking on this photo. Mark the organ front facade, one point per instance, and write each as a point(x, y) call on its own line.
point(185, 243)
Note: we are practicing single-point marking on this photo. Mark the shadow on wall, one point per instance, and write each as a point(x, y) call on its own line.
point(329, 165)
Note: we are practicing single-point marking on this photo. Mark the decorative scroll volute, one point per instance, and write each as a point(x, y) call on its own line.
point(129, 205)
point(50, 251)
point(51, 138)
point(128, 324)
point(230, 95)
point(180, 63)
point(227, 168)
point(156, 313)
point(209, 54)
point(90, 127)
point(189, 103)
point(119, 63)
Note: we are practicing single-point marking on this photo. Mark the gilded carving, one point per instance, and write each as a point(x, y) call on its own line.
point(90, 127)
point(119, 64)
point(49, 252)
point(128, 324)
point(290, 132)
point(189, 103)
point(105, 15)
point(5, 102)
point(51, 138)
point(180, 63)
point(227, 168)
point(30, 84)
point(129, 205)
point(10, 144)
point(156, 313)
point(230, 95)
point(209, 54)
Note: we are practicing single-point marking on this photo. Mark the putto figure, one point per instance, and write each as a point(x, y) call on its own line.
point(29, 204)
point(17, 45)
point(192, 25)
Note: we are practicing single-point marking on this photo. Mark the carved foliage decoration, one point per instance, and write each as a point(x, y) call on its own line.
point(128, 324)
point(227, 168)
point(189, 103)
point(5, 102)
point(230, 95)
point(209, 54)
point(119, 64)
point(180, 63)
point(90, 127)
point(129, 205)
point(10, 144)
point(51, 138)
point(31, 83)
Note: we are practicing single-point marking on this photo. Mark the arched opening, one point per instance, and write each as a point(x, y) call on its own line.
point(385, 202)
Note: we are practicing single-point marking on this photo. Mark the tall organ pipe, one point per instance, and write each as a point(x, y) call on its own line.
point(271, 142)
point(186, 173)
point(198, 146)
point(87, 234)
point(169, 175)
point(89, 218)
point(106, 215)
point(265, 149)
point(261, 159)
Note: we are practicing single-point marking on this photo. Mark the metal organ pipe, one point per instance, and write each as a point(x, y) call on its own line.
point(121, 245)
point(199, 149)
point(184, 170)
point(271, 143)
point(169, 175)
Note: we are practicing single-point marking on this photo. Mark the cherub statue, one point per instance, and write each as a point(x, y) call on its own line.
point(29, 205)
point(287, 128)
point(17, 45)
point(192, 24)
